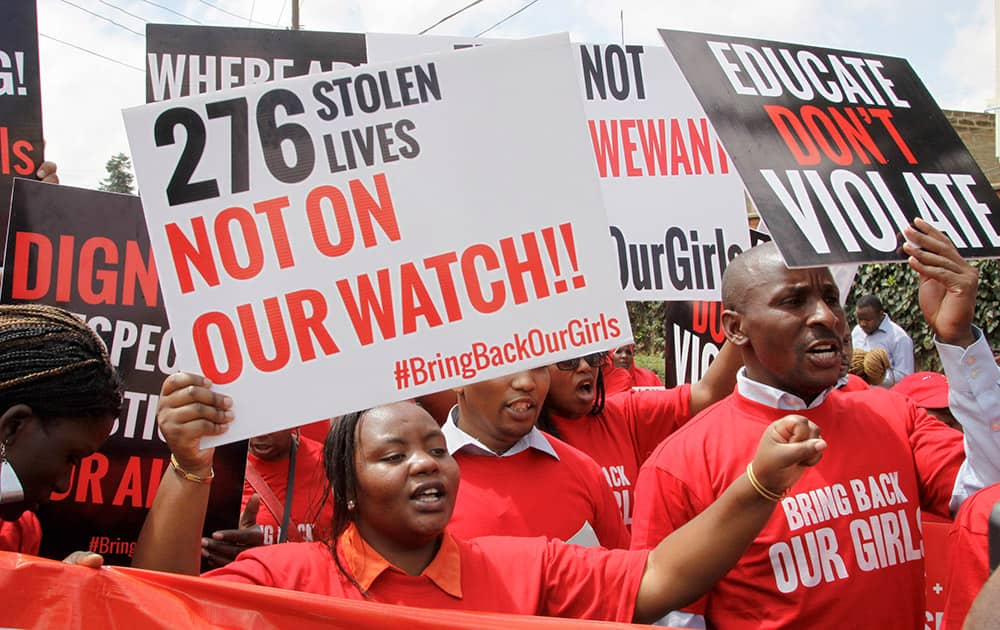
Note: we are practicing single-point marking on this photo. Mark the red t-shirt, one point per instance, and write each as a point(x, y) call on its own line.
point(615, 379)
point(534, 494)
point(23, 535)
point(641, 377)
point(309, 510)
point(845, 545)
point(854, 384)
point(968, 555)
point(620, 439)
point(529, 576)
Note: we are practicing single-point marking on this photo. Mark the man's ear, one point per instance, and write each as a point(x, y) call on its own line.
point(13, 422)
point(732, 325)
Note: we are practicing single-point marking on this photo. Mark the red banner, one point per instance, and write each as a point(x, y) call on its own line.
point(50, 594)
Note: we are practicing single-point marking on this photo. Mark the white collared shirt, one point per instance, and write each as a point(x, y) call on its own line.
point(774, 397)
point(459, 440)
point(897, 344)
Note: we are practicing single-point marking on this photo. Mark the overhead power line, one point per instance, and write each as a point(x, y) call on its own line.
point(448, 17)
point(169, 10)
point(235, 15)
point(115, 6)
point(481, 33)
point(96, 54)
point(106, 19)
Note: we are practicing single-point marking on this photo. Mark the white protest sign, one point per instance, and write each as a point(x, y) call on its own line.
point(335, 241)
point(675, 204)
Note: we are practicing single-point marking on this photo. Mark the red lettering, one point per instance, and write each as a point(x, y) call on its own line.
point(251, 333)
point(230, 345)
point(473, 284)
point(64, 268)
point(198, 254)
point(813, 117)
point(317, 224)
point(517, 267)
point(365, 306)
point(417, 301)
point(629, 148)
point(805, 154)
point(678, 150)
point(21, 150)
point(605, 146)
point(654, 145)
point(251, 243)
point(303, 325)
point(24, 243)
point(105, 277)
point(272, 209)
point(441, 265)
point(885, 116)
point(130, 487)
point(139, 273)
point(367, 209)
point(88, 484)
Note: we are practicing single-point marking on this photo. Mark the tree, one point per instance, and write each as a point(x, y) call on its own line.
point(120, 178)
point(896, 286)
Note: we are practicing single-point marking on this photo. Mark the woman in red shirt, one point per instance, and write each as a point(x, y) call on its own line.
point(394, 487)
point(619, 431)
point(59, 397)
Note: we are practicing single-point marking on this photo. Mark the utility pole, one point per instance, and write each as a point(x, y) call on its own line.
point(295, 15)
point(995, 105)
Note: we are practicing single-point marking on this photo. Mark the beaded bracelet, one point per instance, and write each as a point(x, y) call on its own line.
point(189, 475)
point(759, 487)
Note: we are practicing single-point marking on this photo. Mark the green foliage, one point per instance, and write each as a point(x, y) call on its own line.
point(647, 327)
point(896, 286)
point(120, 178)
point(652, 362)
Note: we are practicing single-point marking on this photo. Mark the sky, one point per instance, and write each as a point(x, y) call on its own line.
point(949, 44)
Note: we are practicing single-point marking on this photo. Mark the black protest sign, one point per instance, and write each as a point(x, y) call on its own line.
point(88, 252)
point(693, 338)
point(20, 101)
point(839, 150)
point(185, 60)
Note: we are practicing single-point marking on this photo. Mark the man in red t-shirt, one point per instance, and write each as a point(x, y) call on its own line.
point(846, 543)
point(516, 481)
point(272, 460)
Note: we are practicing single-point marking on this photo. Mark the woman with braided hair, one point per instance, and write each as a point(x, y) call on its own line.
point(59, 397)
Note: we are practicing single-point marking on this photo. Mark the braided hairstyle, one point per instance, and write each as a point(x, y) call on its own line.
point(342, 480)
point(53, 362)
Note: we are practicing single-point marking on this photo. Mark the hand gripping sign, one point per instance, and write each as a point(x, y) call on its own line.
point(334, 241)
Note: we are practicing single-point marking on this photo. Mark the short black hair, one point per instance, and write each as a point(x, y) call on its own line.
point(870, 301)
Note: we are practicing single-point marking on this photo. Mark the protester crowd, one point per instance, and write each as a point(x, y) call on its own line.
point(773, 492)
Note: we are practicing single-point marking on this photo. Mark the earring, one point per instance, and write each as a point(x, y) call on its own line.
point(3, 452)
point(351, 505)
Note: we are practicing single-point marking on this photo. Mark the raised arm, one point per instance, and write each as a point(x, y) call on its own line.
point(170, 539)
point(948, 284)
point(720, 379)
point(688, 562)
point(948, 287)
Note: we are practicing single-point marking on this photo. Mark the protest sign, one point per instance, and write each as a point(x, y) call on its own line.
point(692, 339)
point(184, 60)
point(334, 241)
point(839, 150)
point(20, 101)
point(88, 252)
point(675, 204)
